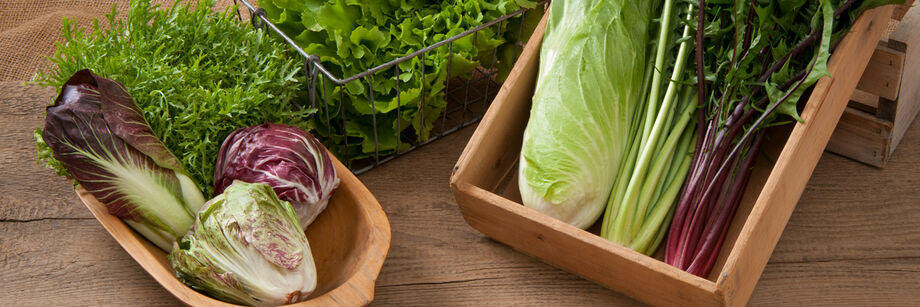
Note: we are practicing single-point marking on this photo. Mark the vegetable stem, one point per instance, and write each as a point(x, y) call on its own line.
point(728, 142)
point(640, 201)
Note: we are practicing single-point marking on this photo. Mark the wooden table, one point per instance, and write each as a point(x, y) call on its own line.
point(853, 239)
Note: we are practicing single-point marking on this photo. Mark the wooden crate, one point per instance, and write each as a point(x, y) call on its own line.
point(887, 98)
point(486, 191)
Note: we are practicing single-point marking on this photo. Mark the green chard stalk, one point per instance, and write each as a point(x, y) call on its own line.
point(642, 199)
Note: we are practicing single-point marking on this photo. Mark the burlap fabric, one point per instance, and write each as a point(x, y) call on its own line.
point(29, 28)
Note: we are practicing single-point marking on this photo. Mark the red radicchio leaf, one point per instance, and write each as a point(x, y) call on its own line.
point(287, 158)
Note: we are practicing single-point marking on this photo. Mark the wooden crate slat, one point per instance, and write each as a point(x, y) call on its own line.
point(881, 111)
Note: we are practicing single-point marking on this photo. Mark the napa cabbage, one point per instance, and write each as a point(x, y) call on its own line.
point(590, 80)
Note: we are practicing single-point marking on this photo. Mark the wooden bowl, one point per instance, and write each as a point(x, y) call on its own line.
point(349, 240)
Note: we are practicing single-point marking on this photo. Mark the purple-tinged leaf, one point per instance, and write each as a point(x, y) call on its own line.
point(97, 132)
point(287, 158)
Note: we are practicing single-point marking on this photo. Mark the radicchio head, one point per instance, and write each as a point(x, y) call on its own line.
point(287, 158)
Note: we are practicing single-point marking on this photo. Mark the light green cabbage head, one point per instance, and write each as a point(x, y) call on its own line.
point(592, 66)
point(247, 247)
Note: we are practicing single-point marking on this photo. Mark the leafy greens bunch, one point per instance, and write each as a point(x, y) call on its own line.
point(352, 36)
point(757, 58)
point(198, 75)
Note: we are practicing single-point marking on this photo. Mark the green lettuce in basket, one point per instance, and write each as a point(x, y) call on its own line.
point(351, 36)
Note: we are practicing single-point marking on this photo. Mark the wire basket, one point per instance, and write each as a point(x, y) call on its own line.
point(467, 98)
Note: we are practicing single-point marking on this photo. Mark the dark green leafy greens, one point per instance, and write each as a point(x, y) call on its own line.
point(100, 136)
point(198, 75)
point(352, 36)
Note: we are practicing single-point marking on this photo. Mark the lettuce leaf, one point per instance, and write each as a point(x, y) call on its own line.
point(353, 36)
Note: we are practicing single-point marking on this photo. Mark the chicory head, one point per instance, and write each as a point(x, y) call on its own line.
point(101, 137)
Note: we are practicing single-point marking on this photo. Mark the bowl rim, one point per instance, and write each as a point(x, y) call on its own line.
point(357, 290)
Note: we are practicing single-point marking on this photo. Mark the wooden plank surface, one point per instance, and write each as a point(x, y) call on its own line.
point(882, 76)
point(853, 238)
point(881, 109)
point(862, 136)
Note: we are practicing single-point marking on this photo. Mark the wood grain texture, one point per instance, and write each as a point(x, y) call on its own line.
point(864, 101)
point(70, 262)
point(21, 111)
point(862, 136)
point(436, 259)
point(882, 76)
point(887, 97)
point(853, 238)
